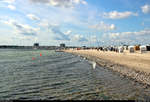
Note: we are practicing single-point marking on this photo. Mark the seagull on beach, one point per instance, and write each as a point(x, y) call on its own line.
point(94, 64)
point(84, 58)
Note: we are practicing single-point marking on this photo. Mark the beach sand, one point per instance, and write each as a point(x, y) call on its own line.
point(134, 65)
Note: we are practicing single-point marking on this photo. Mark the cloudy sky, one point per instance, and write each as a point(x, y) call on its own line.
point(74, 22)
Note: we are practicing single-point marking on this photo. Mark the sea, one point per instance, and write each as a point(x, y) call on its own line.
point(49, 75)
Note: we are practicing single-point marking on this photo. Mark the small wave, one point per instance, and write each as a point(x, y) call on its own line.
point(22, 98)
point(74, 62)
point(69, 74)
point(26, 92)
point(1, 92)
point(59, 83)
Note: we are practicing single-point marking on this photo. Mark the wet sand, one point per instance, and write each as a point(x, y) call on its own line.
point(133, 65)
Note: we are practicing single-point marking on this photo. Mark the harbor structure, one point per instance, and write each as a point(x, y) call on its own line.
point(62, 45)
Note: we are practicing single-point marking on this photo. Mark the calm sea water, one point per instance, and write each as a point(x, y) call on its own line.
point(58, 75)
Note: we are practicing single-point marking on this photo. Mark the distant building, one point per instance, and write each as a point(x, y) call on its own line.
point(83, 47)
point(36, 44)
point(62, 45)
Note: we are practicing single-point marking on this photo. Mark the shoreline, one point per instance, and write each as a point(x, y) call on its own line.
point(137, 75)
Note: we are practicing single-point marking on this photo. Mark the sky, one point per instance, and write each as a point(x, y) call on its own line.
point(74, 22)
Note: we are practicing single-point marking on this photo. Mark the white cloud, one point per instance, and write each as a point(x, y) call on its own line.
point(119, 15)
point(33, 17)
point(44, 23)
point(104, 27)
point(5, 41)
point(8, 1)
point(11, 7)
point(139, 37)
point(146, 9)
point(93, 38)
point(68, 32)
point(55, 31)
point(114, 35)
point(22, 28)
point(129, 34)
point(61, 3)
point(47, 23)
point(23, 37)
point(59, 35)
point(79, 38)
point(142, 23)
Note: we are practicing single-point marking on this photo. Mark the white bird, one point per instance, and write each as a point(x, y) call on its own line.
point(94, 65)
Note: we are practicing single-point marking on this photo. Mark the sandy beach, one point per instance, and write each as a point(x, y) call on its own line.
point(134, 65)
